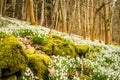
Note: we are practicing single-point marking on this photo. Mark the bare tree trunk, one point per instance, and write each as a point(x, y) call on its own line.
point(112, 9)
point(57, 21)
point(36, 11)
point(100, 25)
point(72, 19)
point(13, 6)
point(27, 12)
point(42, 13)
point(84, 16)
point(79, 22)
point(55, 14)
point(107, 24)
point(88, 18)
point(69, 27)
point(91, 18)
point(63, 15)
point(4, 8)
point(1, 7)
point(23, 11)
point(31, 11)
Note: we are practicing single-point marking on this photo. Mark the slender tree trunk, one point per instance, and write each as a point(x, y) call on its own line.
point(57, 21)
point(1, 7)
point(63, 15)
point(42, 13)
point(79, 22)
point(23, 12)
point(88, 16)
point(100, 25)
point(36, 11)
point(31, 11)
point(107, 24)
point(27, 12)
point(72, 19)
point(93, 28)
point(69, 27)
point(55, 12)
point(112, 10)
point(13, 6)
point(91, 18)
point(84, 16)
point(4, 8)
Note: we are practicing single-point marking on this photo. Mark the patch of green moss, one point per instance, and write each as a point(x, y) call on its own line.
point(56, 45)
point(69, 49)
point(85, 77)
point(30, 51)
point(54, 37)
point(82, 49)
point(96, 48)
point(89, 55)
point(38, 64)
point(58, 50)
point(48, 47)
point(12, 56)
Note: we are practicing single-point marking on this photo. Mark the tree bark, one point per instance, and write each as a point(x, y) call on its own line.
point(100, 25)
point(79, 22)
point(1, 7)
point(31, 12)
point(13, 7)
point(84, 16)
point(107, 24)
point(91, 19)
point(23, 11)
point(63, 15)
point(42, 13)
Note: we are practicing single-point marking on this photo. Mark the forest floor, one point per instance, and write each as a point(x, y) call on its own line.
point(72, 57)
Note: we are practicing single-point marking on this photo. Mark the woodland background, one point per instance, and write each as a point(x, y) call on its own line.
point(94, 19)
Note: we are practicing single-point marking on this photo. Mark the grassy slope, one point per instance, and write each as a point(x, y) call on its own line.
point(106, 60)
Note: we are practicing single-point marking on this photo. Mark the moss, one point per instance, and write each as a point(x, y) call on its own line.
point(54, 37)
point(48, 48)
point(38, 64)
point(30, 51)
point(55, 45)
point(58, 50)
point(82, 49)
point(96, 48)
point(85, 77)
point(69, 49)
point(89, 55)
point(12, 55)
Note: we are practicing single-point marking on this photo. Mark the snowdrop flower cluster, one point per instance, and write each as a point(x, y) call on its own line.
point(28, 75)
point(64, 67)
point(105, 65)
